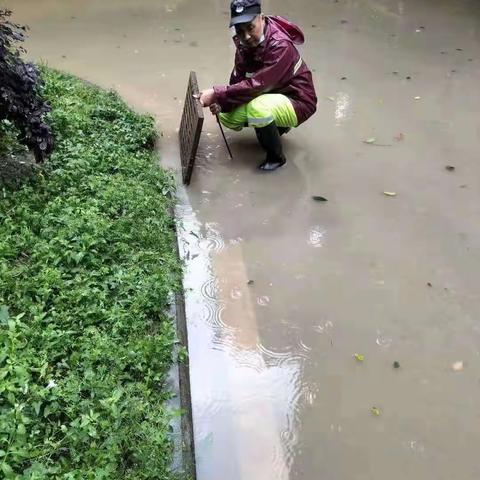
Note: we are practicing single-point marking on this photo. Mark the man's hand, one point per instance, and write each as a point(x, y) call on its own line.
point(207, 97)
point(215, 108)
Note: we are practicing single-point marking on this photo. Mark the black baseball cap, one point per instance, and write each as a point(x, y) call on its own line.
point(244, 11)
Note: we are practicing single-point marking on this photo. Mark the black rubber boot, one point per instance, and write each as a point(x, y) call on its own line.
point(283, 130)
point(269, 138)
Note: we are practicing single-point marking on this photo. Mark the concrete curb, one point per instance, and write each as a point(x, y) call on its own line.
point(188, 443)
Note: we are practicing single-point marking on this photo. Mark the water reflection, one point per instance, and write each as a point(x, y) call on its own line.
point(317, 237)
point(343, 108)
point(246, 397)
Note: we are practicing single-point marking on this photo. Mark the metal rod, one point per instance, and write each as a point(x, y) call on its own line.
point(224, 137)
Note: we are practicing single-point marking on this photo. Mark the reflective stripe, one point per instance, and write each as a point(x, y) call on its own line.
point(297, 65)
point(260, 121)
point(249, 75)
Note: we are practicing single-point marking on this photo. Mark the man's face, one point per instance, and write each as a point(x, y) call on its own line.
point(251, 33)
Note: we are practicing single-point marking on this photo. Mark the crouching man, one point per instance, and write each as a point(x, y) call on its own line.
point(271, 88)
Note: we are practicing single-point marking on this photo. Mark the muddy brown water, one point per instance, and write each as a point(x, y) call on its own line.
point(276, 391)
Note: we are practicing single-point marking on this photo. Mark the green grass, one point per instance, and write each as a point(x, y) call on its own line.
point(8, 140)
point(87, 267)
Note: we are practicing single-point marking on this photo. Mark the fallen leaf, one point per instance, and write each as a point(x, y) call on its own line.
point(457, 366)
point(408, 78)
point(318, 198)
point(376, 411)
point(343, 78)
point(396, 364)
point(450, 168)
point(359, 357)
point(400, 137)
point(390, 194)
point(429, 284)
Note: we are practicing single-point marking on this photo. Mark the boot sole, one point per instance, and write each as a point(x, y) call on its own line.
point(279, 165)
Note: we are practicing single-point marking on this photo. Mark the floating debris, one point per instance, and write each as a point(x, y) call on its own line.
point(376, 411)
point(359, 357)
point(390, 194)
point(250, 282)
point(373, 141)
point(396, 365)
point(450, 168)
point(318, 198)
point(417, 98)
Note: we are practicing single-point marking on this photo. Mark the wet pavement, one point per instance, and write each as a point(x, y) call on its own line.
point(283, 291)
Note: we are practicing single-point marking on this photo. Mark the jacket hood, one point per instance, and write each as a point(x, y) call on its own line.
point(287, 28)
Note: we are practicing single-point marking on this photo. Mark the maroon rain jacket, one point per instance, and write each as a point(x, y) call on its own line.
point(274, 66)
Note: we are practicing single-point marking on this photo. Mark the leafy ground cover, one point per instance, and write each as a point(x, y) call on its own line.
point(87, 267)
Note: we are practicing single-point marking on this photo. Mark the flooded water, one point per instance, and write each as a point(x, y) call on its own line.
point(283, 291)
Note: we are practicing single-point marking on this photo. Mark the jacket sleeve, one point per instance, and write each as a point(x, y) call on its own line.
point(277, 70)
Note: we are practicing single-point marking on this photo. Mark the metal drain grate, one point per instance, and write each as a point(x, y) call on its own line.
point(190, 129)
